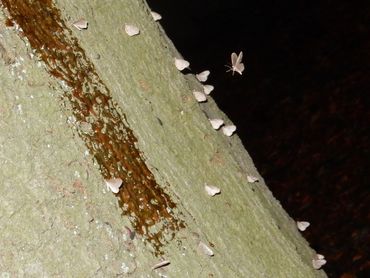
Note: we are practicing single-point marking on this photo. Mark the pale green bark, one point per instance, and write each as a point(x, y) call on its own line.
point(56, 218)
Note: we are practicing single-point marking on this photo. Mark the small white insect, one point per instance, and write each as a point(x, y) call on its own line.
point(80, 24)
point(208, 89)
point(302, 225)
point(216, 123)
point(199, 96)
point(236, 63)
point(318, 261)
point(252, 179)
point(161, 264)
point(114, 184)
point(181, 64)
point(156, 16)
point(203, 76)
point(212, 190)
point(205, 249)
point(228, 130)
point(131, 30)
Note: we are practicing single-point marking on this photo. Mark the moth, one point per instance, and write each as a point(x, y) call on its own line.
point(236, 63)
point(156, 16)
point(212, 190)
point(205, 249)
point(131, 30)
point(203, 76)
point(228, 130)
point(199, 96)
point(181, 64)
point(207, 89)
point(252, 179)
point(302, 225)
point(318, 261)
point(114, 184)
point(216, 123)
point(80, 24)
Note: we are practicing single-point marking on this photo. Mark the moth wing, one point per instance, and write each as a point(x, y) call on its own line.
point(239, 68)
point(234, 59)
point(240, 57)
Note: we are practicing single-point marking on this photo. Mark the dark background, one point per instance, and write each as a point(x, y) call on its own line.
point(301, 106)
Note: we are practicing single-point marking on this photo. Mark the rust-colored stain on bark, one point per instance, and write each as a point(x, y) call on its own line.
point(112, 142)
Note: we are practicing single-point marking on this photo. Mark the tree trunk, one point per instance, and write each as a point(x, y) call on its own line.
point(78, 107)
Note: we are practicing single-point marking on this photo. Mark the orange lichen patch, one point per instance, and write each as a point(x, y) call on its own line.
point(112, 142)
point(217, 159)
point(78, 186)
point(186, 98)
point(144, 85)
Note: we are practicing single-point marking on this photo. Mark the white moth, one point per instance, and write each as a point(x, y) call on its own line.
point(203, 76)
point(205, 249)
point(113, 184)
point(228, 130)
point(181, 64)
point(208, 89)
point(156, 16)
point(216, 123)
point(80, 24)
point(302, 225)
point(252, 179)
point(160, 264)
point(131, 30)
point(199, 96)
point(236, 63)
point(212, 190)
point(318, 261)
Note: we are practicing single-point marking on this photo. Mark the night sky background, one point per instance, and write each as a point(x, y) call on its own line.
point(301, 106)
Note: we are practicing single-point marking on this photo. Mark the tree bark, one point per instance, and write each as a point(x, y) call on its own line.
point(78, 107)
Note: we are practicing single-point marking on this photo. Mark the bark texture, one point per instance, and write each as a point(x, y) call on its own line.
point(122, 109)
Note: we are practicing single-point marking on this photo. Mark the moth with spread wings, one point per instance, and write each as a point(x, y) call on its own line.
point(236, 63)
